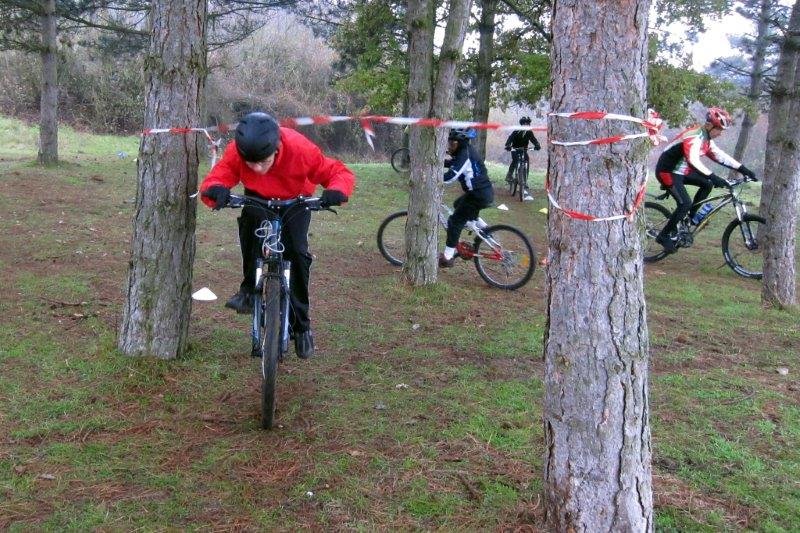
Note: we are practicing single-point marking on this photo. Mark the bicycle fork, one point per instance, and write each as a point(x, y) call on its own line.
point(750, 241)
point(286, 271)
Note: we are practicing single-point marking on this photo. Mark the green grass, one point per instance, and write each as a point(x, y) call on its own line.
point(422, 410)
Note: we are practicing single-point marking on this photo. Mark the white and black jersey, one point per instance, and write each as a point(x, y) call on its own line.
point(467, 167)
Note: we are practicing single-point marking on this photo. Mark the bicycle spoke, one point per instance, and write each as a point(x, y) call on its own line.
point(506, 258)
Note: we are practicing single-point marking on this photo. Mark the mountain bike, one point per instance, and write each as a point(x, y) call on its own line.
point(518, 184)
point(502, 254)
point(740, 240)
point(270, 326)
point(401, 160)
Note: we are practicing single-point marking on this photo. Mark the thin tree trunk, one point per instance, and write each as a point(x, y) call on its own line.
point(597, 467)
point(426, 145)
point(756, 81)
point(483, 70)
point(781, 189)
point(48, 117)
point(158, 303)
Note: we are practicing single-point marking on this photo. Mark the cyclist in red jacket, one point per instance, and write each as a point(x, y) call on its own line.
point(680, 165)
point(280, 163)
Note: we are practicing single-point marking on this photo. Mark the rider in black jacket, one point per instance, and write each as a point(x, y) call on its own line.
point(520, 139)
point(468, 168)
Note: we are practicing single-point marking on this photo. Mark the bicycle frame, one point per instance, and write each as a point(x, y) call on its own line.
point(271, 264)
point(465, 249)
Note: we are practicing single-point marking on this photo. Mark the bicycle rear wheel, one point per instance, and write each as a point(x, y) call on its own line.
point(655, 218)
point(401, 160)
point(392, 238)
point(741, 246)
point(267, 318)
point(507, 260)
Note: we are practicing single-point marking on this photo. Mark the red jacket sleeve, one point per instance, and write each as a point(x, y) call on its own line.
point(226, 173)
point(328, 172)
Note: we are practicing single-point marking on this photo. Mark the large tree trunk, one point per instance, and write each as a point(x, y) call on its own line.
point(426, 145)
point(483, 70)
point(756, 80)
point(779, 196)
point(48, 110)
point(597, 460)
point(158, 304)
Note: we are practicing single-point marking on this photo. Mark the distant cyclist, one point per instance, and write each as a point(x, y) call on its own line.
point(520, 139)
point(466, 167)
point(680, 165)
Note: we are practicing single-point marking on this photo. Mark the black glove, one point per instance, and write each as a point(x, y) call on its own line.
point(219, 194)
point(537, 147)
point(717, 181)
point(331, 197)
point(747, 173)
point(508, 148)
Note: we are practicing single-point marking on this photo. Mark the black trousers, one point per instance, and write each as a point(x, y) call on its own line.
point(684, 204)
point(294, 236)
point(467, 207)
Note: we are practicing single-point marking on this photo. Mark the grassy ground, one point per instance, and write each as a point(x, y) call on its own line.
point(420, 411)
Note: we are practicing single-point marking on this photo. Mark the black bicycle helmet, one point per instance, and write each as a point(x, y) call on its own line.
point(458, 134)
point(257, 136)
point(524, 121)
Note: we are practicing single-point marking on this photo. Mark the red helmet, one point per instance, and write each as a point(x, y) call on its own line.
point(718, 117)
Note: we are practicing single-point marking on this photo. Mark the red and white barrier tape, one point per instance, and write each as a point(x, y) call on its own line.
point(653, 124)
point(212, 144)
point(578, 215)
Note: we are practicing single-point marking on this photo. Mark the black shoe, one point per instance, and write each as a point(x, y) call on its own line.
point(669, 244)
point(446, 263)
point(304, 344)
point(241, 302)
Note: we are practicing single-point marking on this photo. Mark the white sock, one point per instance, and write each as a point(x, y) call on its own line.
point(481, 223)
point(449, 253)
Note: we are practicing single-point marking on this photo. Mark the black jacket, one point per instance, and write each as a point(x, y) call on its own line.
point(467, 167)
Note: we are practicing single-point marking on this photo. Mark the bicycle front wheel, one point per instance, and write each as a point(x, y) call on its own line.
point(401, 160)
point(267, 311)
point(392, 238)
point(741, 246)
point(505, 259)
point(521, 182)
point(655, 218)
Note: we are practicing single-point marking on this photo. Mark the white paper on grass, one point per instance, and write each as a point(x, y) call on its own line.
point(502, 207)
point(204, 295)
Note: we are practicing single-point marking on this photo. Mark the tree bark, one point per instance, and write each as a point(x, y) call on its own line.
point(483, 70)
point(426, 145)
point(48, 110)
point(781, 187)
point(596, 417)
point(158, 303)
point(756, 81)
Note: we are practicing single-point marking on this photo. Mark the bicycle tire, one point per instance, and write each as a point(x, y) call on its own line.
point(512, 181)
point(401, 160)
point(270, 348)
point(521, 181)
point(392, 238)
point(655, 217)
point(754, 257)
point(509, 267)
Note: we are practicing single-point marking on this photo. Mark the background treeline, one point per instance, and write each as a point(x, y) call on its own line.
point(298, 58)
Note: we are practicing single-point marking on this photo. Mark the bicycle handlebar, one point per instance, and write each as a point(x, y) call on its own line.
point(314, 204)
